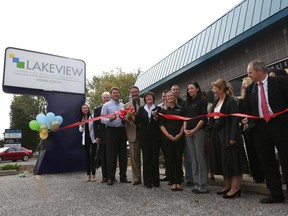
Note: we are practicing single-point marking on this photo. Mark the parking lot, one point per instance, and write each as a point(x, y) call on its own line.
point(68, 194)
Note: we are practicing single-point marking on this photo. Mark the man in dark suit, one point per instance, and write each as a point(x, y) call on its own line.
point(100, 133)
point(264, 97)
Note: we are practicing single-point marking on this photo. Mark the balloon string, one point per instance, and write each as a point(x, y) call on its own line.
point(41, 141)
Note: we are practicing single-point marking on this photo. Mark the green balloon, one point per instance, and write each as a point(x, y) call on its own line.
point(34, 125)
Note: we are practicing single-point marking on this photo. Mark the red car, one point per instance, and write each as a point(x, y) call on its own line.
point(15, 153)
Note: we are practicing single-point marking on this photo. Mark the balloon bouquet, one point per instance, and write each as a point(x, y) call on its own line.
point(44, 123)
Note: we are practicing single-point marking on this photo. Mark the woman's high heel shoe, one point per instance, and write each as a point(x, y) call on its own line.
point(178, 187)
point(87, 178)
point(223, 192)
point(93, 178)
point(174, 187)
point(237, 194)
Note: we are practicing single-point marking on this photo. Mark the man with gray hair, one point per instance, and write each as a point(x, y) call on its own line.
point(264, 97)
point(100, 133)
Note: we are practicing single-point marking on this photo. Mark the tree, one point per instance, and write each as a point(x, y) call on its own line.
point(24, 108)
point(106, 81)
point(1, 143)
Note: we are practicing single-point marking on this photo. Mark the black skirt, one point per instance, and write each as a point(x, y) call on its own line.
point(227, 160)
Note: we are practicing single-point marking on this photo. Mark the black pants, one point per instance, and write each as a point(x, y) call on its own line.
point(116, 145)
point(284, 169)
point(90, 152)
point(174, 159)
point(164, 151)
point(103, 154)
point(254, 163)
point(150, 151)
point(267, 136)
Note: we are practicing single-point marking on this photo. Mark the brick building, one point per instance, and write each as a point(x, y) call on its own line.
point(253, 29)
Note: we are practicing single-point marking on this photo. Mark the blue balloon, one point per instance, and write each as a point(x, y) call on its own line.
point(59, 119)
point(47, 124)
point(50, 117)
point(40, 118)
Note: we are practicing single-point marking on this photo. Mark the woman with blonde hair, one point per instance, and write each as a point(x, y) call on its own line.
point(245, 82)
point(173, 139)
point(227, 152)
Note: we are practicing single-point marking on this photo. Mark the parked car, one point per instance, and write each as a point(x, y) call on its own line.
point(15, 153)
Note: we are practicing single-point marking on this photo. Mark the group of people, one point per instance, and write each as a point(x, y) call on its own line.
point(210, 144)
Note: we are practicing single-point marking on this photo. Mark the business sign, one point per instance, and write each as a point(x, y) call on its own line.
point(34, 70)
point(11, 134)
point(12, 137)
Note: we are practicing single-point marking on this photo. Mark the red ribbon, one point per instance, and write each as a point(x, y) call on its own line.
point(176, 117)
point(86, 121)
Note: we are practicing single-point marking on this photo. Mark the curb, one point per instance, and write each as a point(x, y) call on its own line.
point(8, 172)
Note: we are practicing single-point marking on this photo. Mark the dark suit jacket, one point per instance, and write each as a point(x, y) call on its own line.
point(277, 95)
point(99, 128)
point(147, 130)
point(231, 123)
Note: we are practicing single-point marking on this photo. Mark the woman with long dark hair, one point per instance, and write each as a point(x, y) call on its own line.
point(88, 141)
point(195, 135)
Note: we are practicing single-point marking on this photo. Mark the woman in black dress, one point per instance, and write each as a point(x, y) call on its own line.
point(150, 139)
point(227, 151)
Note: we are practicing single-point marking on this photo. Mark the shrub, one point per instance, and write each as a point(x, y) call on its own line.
point(11, 167)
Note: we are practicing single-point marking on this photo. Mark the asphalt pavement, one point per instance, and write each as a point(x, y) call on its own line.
point(68, 194)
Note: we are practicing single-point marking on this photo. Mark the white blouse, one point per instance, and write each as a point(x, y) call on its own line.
point(217, 109)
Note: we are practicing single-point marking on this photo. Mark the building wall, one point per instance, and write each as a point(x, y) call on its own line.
point(271, 46)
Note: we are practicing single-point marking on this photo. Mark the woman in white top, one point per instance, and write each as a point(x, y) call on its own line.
point(88, 141)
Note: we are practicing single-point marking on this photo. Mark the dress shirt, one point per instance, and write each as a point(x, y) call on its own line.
point(109, 108)
point(149, 110)
point(265, 85)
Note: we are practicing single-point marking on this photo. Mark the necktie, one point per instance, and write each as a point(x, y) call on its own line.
point(135, 102)
point(264, 105)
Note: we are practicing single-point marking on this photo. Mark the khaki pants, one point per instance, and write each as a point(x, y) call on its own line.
point(135, 158)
